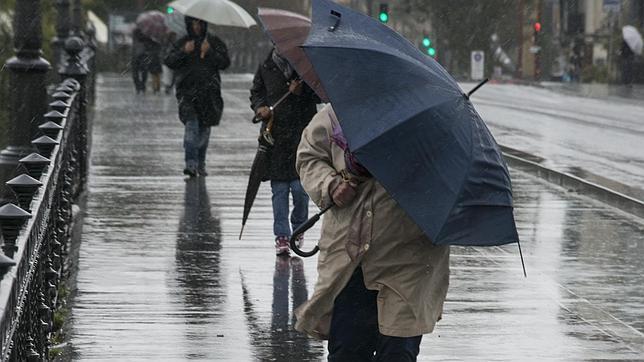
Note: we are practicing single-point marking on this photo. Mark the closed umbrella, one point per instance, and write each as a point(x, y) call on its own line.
point(633, 38)
point(408, 122)
point(217, 12)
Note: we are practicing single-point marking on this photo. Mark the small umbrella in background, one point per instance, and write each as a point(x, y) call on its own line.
point(216, 12)
point(633, 38)
point(152, 24)
point(408, 122)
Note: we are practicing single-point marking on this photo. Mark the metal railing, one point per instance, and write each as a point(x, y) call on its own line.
point(36, 229)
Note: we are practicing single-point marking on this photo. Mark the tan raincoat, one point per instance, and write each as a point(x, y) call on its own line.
point(397, 259)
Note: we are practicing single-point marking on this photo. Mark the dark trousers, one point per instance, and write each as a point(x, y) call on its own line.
point(354, 335)
point(139, 73)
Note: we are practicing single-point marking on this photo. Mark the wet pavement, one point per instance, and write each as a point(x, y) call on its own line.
point(163, 276)
point(598, 139)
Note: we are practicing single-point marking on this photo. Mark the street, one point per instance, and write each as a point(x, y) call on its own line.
point(163, 276)
point(593, 138)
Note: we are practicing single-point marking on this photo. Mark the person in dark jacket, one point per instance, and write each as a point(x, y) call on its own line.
point(196, 60)
point(274, 78)
point(139, 60)
point(627, 58)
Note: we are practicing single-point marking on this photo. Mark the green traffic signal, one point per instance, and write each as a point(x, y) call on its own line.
point(427, 42)
point(383, 14)
point(431, 52)
point(170, 10)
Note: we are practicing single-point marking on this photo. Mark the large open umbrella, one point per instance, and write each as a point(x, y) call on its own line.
point(408, 122)
point(217, 12)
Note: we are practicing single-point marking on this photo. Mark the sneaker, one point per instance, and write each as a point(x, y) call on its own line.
point(190, 172)
point(299, 241)
point(281, 245)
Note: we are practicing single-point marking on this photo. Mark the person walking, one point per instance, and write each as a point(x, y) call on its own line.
point(197, 59)
point(139, 60)
point(274, 78)
point(381, 282)
point(627, 57)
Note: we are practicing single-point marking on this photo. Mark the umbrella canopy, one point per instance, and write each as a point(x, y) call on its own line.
point(217, 12)
point(176, 24)
point(152, 24)
point(288, 31)
point(633, 38)
point(411, 126)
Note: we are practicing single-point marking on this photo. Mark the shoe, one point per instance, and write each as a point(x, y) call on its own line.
point(190, 172)
point(281, 245)
point(202, 171)
point(299, 241)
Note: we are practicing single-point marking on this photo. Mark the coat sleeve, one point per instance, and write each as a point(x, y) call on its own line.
point(258, 91)
point(217, 56)
point(314, 161)
point(175, 57)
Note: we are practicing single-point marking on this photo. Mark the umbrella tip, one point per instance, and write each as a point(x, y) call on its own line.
point(476, 88)
point(241, 231)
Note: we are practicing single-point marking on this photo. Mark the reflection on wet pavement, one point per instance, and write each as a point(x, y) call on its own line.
point(162, 275)
point(278, 341)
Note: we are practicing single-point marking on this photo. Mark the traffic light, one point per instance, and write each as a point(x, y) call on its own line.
point(383, 15)
point(427, 44)
point(537, 27)
point(169, 10)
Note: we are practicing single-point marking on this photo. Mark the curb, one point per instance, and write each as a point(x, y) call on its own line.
point(577, 184)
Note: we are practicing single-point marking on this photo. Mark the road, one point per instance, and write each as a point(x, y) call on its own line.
point(162, 275)
point(598, 139)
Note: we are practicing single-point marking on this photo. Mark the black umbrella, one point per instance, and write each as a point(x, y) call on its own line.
point(428, 146)
point(259, 169)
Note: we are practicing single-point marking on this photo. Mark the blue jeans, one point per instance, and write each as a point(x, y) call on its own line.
point(300, 212)
point(195, 143)
point(354, 334)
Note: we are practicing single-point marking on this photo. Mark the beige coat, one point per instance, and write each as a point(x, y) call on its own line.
point(410, 274)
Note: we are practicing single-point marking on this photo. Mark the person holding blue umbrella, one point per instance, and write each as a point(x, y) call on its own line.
point(405, 167)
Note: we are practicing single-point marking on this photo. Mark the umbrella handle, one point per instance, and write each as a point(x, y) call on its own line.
point(303, 228)
point(257, 119)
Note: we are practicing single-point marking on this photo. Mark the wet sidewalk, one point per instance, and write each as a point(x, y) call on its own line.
point(163, 276)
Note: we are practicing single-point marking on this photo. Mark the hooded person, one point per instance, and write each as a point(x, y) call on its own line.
point(197, 59)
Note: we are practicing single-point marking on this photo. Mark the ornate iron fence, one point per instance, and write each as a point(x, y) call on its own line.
point(36, 228)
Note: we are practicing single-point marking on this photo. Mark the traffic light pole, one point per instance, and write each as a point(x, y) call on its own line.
point(537, 55)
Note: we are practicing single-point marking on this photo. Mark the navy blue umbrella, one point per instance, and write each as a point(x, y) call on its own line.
point(408, 122)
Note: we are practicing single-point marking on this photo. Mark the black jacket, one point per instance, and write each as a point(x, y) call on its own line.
point(290, 117)
point(198, 81)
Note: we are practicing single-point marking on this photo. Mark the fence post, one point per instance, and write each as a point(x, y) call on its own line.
point(27, 79)
point(63, 28)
